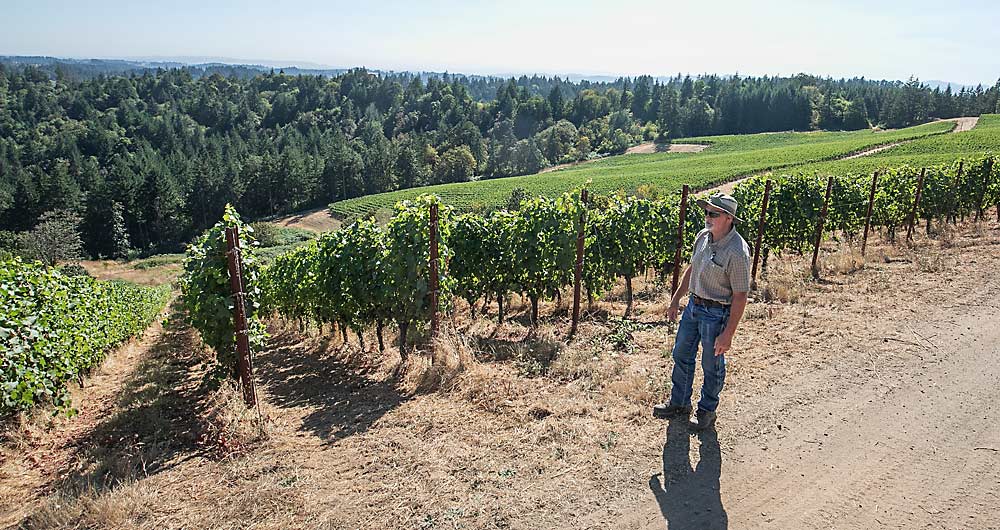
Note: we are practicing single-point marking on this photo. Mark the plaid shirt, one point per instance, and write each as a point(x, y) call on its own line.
point(720, 268)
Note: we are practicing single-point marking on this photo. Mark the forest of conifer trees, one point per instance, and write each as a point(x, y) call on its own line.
point(158, 154)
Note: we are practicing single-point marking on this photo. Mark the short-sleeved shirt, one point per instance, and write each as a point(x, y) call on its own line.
point(720, 268)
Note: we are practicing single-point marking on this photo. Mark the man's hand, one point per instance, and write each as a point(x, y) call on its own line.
point(672, 312)
point(723, 343)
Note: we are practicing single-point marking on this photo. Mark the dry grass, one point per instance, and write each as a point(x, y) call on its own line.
point(244, 493)
point(491, 388)
point(657, 308)
point(88, 509)
point(229, 426)
point(453, 354)
point(633, 383)
point(24, 429)
point(117, 270)
point(318, 220)
point(982, 229)
point(141, 412)
point(759, 311)
point(785, 280)
point(575, 363)
point(846, 259)
point(946, 234)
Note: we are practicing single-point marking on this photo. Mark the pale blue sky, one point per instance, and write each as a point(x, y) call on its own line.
point(952, 41)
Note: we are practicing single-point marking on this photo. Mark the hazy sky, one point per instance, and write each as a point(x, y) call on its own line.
point(953, 41)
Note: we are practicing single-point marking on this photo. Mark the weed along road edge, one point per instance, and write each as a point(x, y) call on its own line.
point(902, 431)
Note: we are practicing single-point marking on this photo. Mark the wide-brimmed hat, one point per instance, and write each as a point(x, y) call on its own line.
point(721, 202)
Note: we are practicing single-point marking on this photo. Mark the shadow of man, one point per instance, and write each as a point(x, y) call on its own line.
point(689, 498)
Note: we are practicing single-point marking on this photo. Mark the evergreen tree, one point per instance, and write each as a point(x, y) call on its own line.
point(556, 102)
point(119, 234)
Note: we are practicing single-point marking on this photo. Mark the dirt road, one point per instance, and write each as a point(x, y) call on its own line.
point(964, 124)
point(872, 151)
point(318, 220)
point(650, 147)
point(912, 440)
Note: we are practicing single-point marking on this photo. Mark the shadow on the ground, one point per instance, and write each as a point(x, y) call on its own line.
point(341, 389)
point(689, 497)
point(153, 426)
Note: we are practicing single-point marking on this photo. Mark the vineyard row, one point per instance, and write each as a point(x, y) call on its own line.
point(369, 276)
point(54, 327)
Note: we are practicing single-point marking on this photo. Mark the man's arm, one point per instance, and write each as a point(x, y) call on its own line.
point(725, 339)
point(682, 289)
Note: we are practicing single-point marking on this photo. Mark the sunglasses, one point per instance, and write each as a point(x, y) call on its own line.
point(713, 215)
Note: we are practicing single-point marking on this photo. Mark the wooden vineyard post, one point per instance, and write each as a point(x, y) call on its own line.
point(819, 228)
point(955, 195)
point(434, 274)
point(987, 169)
point(680, 239)
point(916, 204)
point(868, 215)
point(761, 224)
point(992, 161)
point(578, 269)
point(243, 366)
point(988, 173)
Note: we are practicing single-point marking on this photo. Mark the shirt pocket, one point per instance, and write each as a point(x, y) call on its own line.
point(716, 275)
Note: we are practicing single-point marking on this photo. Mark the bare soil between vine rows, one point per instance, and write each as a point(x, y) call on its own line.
point(864, 400)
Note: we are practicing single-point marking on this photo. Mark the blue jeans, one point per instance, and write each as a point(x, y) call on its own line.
point(699, 324)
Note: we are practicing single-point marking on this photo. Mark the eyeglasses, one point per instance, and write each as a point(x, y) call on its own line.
point(713, 215)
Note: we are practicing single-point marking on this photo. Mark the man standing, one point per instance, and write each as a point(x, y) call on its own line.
point(718, 280)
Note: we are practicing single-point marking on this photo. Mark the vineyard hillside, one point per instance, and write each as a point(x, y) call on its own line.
point(440, 368)
point(727, 157)
point(942, 149)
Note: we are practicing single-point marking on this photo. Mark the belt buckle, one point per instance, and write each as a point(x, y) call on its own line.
point(706, 302)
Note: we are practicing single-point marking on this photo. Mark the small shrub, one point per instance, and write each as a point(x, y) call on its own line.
point(73, 269)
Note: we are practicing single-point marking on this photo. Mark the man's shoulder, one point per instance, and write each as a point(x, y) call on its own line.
point(738, 244)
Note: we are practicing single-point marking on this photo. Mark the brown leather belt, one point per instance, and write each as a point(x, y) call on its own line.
point(705, 302)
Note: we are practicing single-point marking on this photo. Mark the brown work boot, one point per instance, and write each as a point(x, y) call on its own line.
point(706, 420)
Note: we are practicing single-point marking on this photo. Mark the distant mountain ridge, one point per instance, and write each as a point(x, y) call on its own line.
point(955, 87)
point(125, 66)
point(210, 65)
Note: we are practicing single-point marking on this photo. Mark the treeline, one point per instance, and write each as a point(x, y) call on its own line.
point(161, 153)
